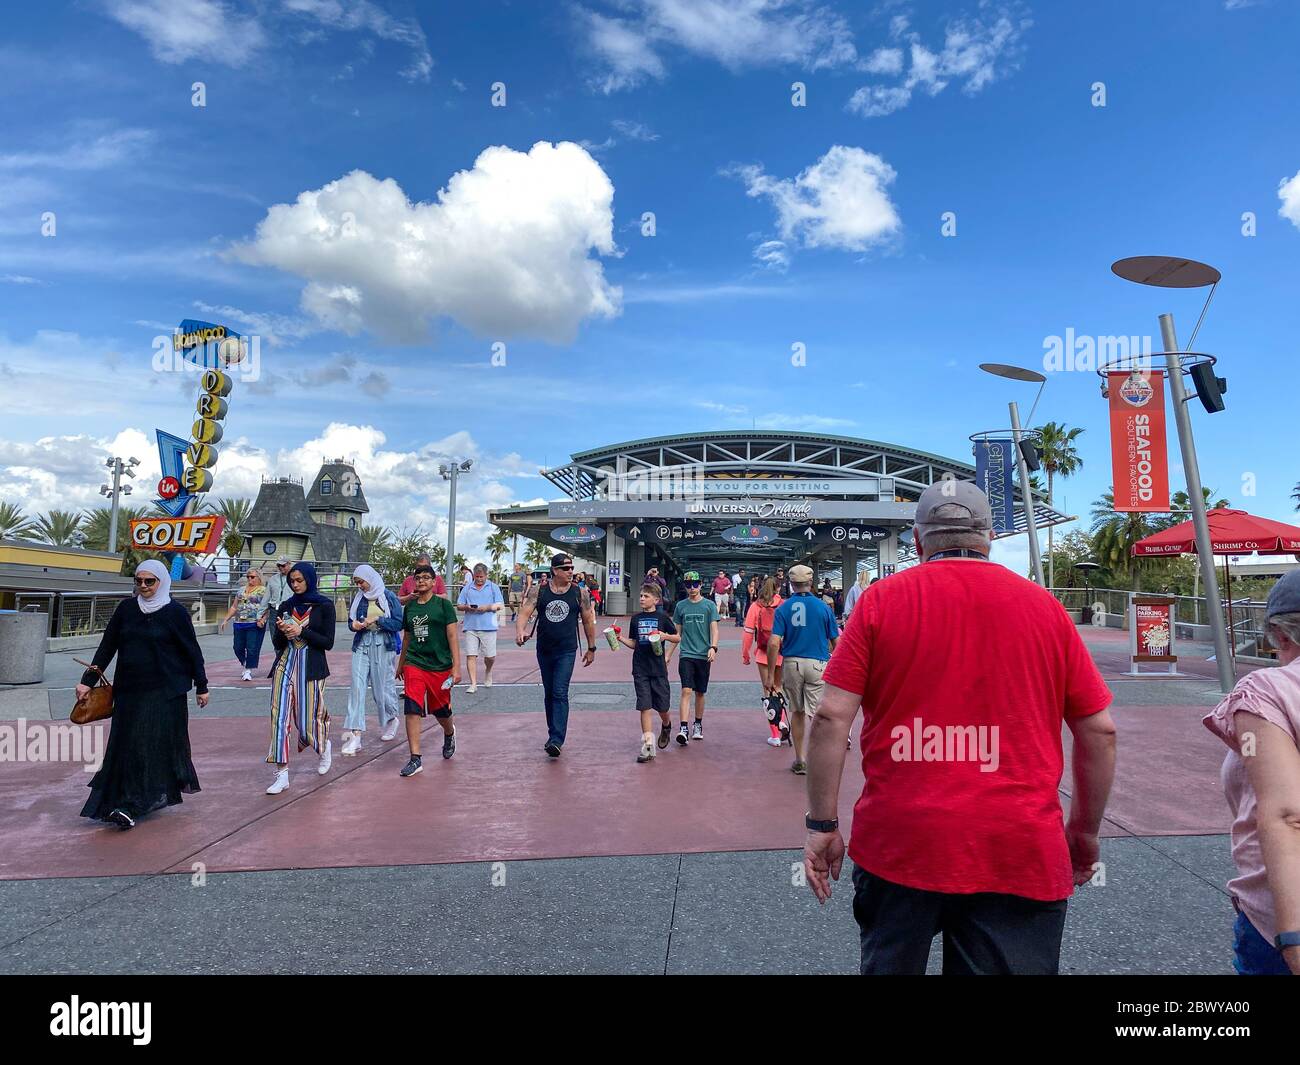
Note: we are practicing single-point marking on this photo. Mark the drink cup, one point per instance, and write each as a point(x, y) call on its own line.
point(656, 643)
point(611, 637)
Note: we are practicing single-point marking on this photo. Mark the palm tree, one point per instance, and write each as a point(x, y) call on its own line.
point(375, 538)
point(94, 526)
point(495, 546)
point(1059, 457)
point(13, 522)
point(1113, 536)
point(1295, 494)
point(236, 512)
point(1180, 508)
point(58, 528)
point(536, 555)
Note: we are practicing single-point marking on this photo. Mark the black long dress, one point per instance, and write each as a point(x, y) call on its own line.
point(147, 761)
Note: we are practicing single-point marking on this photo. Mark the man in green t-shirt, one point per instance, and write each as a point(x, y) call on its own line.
point(696, 619)
point(429, 665)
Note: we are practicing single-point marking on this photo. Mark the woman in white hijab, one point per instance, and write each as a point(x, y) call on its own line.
point(375, 619)
point(147, 761)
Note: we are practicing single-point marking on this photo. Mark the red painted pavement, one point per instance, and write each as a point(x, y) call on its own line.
point(501, 798)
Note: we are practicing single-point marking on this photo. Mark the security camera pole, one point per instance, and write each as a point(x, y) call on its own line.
point(450, 471)
point(120, 469)
point(1026, 496)
point(1171, 271)
point(1196, 497)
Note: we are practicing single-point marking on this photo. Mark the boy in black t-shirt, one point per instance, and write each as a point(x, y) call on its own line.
point(651, 635)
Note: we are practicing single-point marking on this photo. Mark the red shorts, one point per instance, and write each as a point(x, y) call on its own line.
point(425, 692)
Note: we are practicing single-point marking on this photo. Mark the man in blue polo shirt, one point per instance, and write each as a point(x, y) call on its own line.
point(804, 632)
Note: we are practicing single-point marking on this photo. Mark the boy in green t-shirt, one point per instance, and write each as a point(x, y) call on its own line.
point(429, 664)
point(696, 619)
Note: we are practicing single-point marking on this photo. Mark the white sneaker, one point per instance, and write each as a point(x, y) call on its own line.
point(280, 783)
point(326, 759)
point(647, 749)
point(350, 744)
point(774, 741)
point(472, 689)
point(487, 681)
point(248, 674)
point(390, 730)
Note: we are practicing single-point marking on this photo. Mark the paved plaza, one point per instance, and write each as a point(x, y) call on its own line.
point(502, 860)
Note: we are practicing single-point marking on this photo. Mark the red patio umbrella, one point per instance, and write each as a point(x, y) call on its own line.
point(1232, 532)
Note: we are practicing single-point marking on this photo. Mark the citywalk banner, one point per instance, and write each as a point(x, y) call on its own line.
point(993, 464)
point(1138, 450)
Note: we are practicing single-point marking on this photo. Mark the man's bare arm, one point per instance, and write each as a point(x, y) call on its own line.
point(827, 742)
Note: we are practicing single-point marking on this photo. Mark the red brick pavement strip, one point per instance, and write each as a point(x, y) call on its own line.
point(501, 798)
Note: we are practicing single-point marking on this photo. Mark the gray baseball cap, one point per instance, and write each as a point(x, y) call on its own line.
point(964, 494)
point(1285, 596)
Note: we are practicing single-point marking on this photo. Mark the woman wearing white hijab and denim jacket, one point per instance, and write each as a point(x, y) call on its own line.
point(375, 619)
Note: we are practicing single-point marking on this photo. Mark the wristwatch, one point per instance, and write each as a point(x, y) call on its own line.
point(591, 648)
point(813, 825)
point(1286, 939)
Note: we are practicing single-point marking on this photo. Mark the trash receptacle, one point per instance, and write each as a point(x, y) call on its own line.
point(22, 646)
point(1086, 615)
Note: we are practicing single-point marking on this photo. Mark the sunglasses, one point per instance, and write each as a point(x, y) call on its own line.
point(563, 567)
point(147, 582)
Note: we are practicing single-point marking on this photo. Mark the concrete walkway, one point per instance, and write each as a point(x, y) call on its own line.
point(591, 863)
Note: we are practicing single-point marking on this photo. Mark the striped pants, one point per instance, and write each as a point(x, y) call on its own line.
point(296, 702)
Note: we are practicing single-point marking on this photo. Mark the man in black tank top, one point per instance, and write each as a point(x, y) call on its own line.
point(559, 605)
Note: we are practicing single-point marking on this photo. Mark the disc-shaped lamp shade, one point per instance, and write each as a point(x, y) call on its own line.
point(1015, 373)
point(1166, 271)
point(1087, 565)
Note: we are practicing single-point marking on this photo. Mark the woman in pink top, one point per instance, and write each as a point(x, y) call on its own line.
point(758, 627)
point(1260, 721)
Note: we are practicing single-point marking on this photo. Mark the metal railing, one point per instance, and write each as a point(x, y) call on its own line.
point(87, 613)
point(1247, 624)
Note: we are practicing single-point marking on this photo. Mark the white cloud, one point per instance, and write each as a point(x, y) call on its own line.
point(626, 51)
point(19, 279)
point(976, 52)
point(1288, 191)
point(180, 30)
point(841, 201)
point(884, 61)
point(272, 328)
point(773, 254)
point(363, 16)
point(109, 149)
point(402, 488)
point(735, 33)
point(635, 131)
point(505, 250)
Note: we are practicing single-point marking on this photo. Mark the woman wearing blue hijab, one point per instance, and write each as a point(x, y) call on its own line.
point(304, 631)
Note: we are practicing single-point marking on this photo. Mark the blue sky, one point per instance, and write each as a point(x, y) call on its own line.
point(775, 225)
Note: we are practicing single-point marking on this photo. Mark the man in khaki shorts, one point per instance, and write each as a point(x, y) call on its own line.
point(804, 632)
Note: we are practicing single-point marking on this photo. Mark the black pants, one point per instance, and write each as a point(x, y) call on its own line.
point(983, 934)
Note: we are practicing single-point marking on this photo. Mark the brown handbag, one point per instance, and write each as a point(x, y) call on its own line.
point(97, 703)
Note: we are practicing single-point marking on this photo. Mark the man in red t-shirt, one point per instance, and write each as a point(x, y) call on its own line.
point(965, 673)
point(407, 591)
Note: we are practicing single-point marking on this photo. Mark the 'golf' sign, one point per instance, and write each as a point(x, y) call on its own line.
point(193, 535)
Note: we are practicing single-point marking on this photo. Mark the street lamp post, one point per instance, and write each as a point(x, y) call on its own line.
point(450, 471)
point(1020, 373)
point(1167, 271)
point(120, 469)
